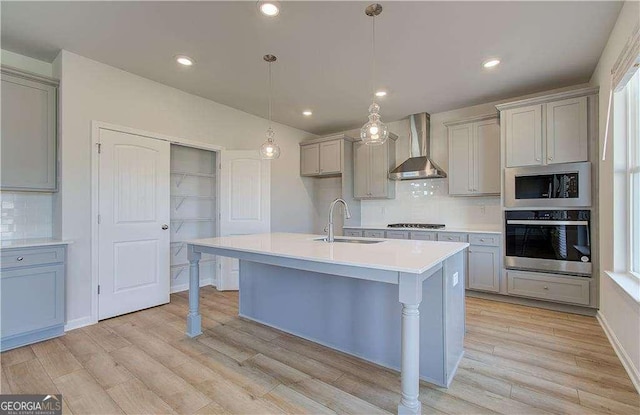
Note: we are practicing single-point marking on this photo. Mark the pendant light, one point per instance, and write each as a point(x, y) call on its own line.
point(374, 132)
point(270, 150)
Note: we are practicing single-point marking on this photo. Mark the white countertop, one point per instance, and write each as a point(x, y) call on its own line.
point(32, 242)
point(409, 256)
point(466, 229)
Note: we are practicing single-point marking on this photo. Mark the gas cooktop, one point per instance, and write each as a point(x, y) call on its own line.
point(416, 225)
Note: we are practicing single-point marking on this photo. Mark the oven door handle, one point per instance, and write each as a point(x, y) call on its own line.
point(548, 222)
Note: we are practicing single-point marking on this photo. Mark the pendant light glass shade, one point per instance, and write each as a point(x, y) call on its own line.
point(374, 132)
point(269, 149)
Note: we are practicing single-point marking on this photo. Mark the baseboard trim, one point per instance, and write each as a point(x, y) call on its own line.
point(184, 287)
point(78, 323)
point(632, 371)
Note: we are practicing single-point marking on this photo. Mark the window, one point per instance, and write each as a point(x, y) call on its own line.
point(633, 170)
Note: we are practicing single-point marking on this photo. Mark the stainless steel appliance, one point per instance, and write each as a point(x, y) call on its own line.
point(419, 165)
point(549, 240)
point(416, 225)
point(558, 185)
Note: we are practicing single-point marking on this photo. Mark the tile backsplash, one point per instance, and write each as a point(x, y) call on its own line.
point(26, 215)
point(428, 201)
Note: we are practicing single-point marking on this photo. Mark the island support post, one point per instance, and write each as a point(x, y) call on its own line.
point(194, 321)
point(410, 295)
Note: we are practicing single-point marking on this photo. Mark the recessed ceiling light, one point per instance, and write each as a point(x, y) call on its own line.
point(307, 113)
point(381, 93)
point(491, 63)
point(269, 8)
point(184, 60)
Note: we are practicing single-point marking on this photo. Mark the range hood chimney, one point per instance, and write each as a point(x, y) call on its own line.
point(419, 165)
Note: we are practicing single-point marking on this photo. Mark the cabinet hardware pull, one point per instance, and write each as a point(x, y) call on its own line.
point(550, 158)
point(165, 227)
point(481, 239)
point(537, 158)
point(19, 258)
point(546, 288)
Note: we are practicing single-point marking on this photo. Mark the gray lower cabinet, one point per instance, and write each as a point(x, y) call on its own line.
point(574, 290)
point(28, 132)
point(484, 268)
point(452, 237)
point(33, 295)
point(373, 234)
point(397, 235)
point(423, 236)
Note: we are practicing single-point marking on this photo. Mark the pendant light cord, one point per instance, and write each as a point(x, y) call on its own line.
point(270, 92)
point(373, 63)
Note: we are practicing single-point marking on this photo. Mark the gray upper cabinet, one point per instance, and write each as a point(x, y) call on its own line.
point(567, 131)
point(523, 140)
point(551, 131)
point(474, 157)
point(323, 158)
point(371, 166)
point(28, 133)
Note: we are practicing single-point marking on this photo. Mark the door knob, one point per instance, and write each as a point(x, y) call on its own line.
point(165, 227)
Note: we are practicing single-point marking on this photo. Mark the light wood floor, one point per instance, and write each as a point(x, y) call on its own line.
point(518, 360)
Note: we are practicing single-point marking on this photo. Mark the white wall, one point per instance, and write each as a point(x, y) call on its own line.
point(94, 91)
point(618, 309)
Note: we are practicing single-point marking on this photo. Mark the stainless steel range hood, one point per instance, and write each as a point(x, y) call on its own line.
point(419, 165)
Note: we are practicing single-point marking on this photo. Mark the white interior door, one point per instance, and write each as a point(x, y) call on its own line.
point(133, 270)
point(245, 204)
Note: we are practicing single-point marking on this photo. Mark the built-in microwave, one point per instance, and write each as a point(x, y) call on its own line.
point(557, 185)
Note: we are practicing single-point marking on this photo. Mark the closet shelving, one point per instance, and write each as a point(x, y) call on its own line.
point(193, 209)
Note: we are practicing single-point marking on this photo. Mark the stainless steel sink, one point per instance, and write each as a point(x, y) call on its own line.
point(351, 241)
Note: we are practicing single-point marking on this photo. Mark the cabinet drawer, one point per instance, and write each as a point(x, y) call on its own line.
point(424, 236)
point(452, 237)
point(484, 239)
point(398, 234)
point(548, 287)
point(374, 234)
point(352, 232)
point(14, 258)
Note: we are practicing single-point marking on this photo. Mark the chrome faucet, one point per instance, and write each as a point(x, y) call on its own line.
point(347, 214)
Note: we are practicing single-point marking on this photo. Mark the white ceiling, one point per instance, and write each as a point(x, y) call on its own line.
point(429, 53)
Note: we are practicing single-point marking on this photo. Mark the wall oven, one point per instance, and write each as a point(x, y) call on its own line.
point(549, 240)
point(557, 185)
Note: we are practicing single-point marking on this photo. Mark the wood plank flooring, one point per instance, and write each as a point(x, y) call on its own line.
point(518, 360)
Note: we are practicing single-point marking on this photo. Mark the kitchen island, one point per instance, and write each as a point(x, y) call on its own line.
point(360, 296)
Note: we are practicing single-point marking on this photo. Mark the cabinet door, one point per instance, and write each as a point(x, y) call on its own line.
point(352, 232)
point(484, 268)
point(331, 157)
point(460, 159)
point(567, 131)
point(523, 136)
point(379, 170)
point(361, 162)
point(310, 160)
point(486, 145)
point(28, 135)
point(32, 299)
